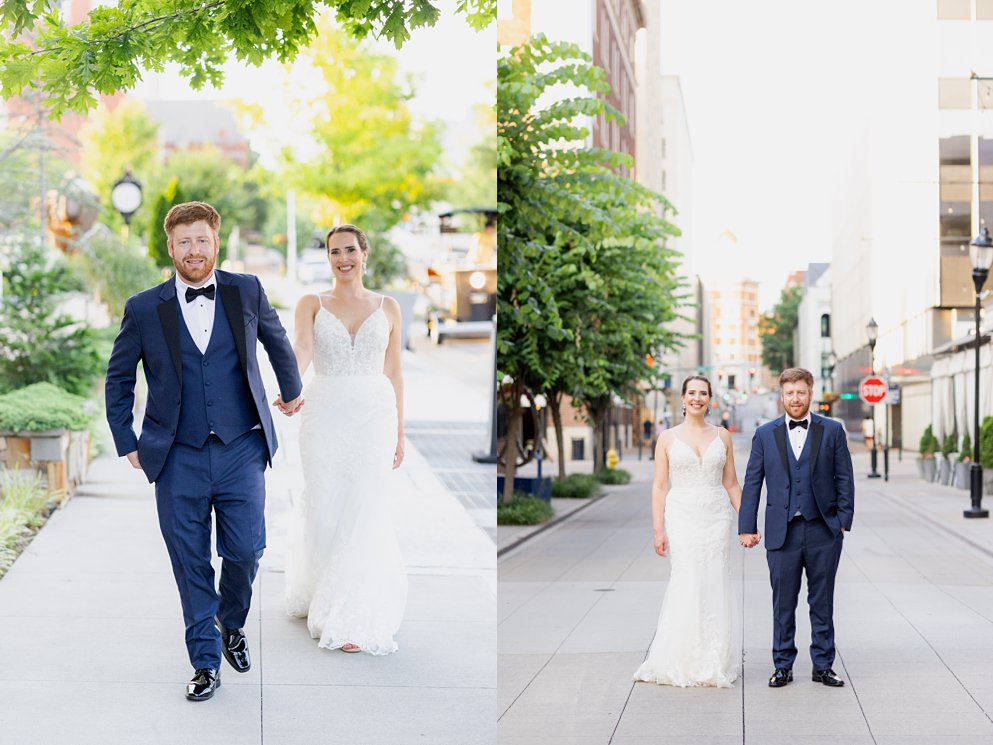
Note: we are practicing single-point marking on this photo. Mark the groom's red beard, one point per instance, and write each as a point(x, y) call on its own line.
point(797, 411)
point(191, 275)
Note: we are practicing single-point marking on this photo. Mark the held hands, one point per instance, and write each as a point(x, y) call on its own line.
point(289, 408)
point(749, 540)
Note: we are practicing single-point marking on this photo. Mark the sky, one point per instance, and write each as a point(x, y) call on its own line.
point(760, 85)
point(451, 65)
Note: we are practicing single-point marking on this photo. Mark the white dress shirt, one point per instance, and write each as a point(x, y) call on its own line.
point(199, 315)
point(798, 435)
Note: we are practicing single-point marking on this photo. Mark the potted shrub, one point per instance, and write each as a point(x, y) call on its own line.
point(986, 453)
point(963, 463)
point(945, 465)
point(45, 428)
point(928, 447)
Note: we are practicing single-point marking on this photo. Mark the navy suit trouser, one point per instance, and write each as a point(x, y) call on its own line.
point(228, 480)
point(814, 549)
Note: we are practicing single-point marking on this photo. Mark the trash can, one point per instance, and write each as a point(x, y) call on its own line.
point(578, 448)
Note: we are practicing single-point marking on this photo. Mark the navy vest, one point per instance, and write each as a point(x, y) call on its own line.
point(801, 492)
point(216, 396)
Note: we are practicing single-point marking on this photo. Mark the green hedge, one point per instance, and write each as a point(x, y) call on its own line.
point(576, 486)
point(613, 476)
point(523, 509)
point(986, 442)
point(966, 452)
point(43, 406)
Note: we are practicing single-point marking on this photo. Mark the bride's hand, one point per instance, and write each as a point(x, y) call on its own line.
point(398, 455)
point(661, 544)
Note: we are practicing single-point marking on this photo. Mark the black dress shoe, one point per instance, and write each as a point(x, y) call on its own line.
point(234, 647)
point(205, 681)
point(828, 678)
point(781, 677)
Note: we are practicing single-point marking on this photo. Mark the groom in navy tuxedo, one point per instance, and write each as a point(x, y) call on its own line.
point(810, 503)
point(207, 434)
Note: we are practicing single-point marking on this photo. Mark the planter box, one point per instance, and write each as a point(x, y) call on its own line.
point(920, 466)
point(541, 488)
point(944, 472)
point(60, 455)
point(930, 466)
point(962, 476)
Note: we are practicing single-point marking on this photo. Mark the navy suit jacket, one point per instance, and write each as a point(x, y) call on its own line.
point(150, 333)
point(831, 478)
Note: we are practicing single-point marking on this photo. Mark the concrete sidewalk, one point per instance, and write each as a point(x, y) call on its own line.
point(578, 607)
point(91, 633)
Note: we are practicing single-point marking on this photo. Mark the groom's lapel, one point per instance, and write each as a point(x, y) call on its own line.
point(231, 299)
point(816, 433)
point(168, 312)
point(779, 432)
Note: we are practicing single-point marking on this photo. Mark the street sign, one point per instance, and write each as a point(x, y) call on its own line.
point(893, 397)
point(872, 390)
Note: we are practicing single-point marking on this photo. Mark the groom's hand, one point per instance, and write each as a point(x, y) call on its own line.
point(133, 459)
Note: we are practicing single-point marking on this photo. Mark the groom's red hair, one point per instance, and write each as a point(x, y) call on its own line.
point(795, 375)
point(188, 213)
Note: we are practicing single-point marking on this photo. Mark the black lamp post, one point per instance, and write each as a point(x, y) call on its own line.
point(872, 331)
point(981, 255)
point(126, 198)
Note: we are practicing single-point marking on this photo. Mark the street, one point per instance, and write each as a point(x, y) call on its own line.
point(578, 606)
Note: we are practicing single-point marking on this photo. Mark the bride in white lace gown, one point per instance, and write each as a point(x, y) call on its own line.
point(344, 571)
point(695, 498)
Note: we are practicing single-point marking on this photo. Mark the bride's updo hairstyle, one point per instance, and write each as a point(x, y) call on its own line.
point(710, 391)
point(354, 230)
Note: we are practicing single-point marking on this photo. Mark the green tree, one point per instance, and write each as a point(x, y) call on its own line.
point(776, 330)
point(476, 184)
point(108, 51)
point(585, 282)
point(114, 141)
point(207, 175)
point(38, 343)
point(368, 161)
point(158, 250)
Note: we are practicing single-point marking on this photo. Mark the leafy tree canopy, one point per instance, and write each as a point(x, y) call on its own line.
point(107, 52)
point(776, 330)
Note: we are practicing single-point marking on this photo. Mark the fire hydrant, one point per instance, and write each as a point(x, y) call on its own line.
point(612, 459)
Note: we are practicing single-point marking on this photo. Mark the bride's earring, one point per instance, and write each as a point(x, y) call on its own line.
point(684, 409)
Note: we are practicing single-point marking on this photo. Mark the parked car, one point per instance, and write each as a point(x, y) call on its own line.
point(313, 266)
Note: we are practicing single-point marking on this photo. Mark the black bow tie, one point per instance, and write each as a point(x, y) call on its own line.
point(194, 292)
point(793, 422)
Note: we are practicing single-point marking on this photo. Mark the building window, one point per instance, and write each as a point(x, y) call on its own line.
point(662, 148)
point(955, 192)
point(953, 10)
point(954, 93)
point(663, 181)
point(826, 326)
point(984, 10)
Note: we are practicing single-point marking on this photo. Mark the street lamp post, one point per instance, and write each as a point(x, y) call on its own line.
point(126, 198)
point(981, 255)
point(872, 331)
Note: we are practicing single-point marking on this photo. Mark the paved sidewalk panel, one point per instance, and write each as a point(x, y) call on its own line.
point(579, 603)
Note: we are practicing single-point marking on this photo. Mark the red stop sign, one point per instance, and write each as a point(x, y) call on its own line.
point(872, 390)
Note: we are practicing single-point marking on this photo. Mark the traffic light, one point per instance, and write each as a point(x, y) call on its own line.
point(824, 407)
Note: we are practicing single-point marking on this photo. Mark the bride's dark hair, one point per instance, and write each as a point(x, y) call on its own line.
point(710, 391)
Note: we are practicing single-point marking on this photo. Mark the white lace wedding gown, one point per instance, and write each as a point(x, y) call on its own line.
point(344, 570)
point(698, 637)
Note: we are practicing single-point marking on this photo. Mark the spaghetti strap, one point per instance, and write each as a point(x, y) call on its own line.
point(320, 301)
point(381, 301)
